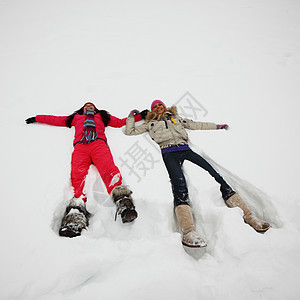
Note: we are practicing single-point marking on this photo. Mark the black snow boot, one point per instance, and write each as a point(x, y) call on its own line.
point(122, 198)
point(75, 219)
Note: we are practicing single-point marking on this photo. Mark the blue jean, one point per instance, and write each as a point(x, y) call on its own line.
point(173, 162)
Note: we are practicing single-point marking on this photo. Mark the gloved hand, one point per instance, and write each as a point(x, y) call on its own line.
point(30, 120)
point(133, 113)
point(222, 126)
point(144, 113)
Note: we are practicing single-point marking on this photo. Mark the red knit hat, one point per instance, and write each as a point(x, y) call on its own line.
point(157, 101)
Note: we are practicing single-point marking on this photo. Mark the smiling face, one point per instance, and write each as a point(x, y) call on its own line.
point(89, 106)
point(159, 108)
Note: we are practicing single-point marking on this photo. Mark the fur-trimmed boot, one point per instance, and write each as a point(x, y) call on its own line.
point(121, 196)
point(75, 219)
point(185, 219)
point(249, 217)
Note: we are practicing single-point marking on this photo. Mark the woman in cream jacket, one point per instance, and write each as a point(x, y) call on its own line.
point(168, 130)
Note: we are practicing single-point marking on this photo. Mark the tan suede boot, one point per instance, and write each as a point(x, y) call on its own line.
point(190, 237)
point(249, 217)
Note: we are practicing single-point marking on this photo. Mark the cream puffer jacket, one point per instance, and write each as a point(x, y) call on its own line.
point(166, 129)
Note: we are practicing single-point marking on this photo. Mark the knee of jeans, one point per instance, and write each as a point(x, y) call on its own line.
point(179, 183)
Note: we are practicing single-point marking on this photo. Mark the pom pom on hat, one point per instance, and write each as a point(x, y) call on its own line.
point(155, 102)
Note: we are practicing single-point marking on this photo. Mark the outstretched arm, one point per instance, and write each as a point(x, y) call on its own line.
point(190, 124)
point(116, 122)
point(138, 116)
point(47, 119)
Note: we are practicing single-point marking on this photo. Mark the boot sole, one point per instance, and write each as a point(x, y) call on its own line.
point(193, 246)
point(263, 230)
point(68, 233)
point(130, 217)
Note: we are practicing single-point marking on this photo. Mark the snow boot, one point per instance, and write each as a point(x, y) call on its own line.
point(121, 196)
point(190, 237)
point(75, 219)
point(249, 217)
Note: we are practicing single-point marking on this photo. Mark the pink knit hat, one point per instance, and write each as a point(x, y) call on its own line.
point(157, 101)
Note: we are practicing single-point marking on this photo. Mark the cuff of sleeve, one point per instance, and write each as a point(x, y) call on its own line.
point(138, 117)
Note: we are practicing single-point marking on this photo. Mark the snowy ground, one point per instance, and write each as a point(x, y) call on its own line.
point(239, 61)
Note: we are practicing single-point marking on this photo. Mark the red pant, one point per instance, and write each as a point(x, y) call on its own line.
point(97, 153)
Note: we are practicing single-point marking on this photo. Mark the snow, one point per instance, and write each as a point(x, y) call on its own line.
point(240, 61)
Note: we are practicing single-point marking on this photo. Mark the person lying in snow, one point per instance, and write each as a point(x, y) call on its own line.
point(90, 147)
point(167, 129)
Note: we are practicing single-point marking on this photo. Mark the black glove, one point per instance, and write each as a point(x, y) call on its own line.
point(144, 113)
point(30, 120)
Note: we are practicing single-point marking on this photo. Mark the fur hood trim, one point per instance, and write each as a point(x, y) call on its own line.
point(170, 111)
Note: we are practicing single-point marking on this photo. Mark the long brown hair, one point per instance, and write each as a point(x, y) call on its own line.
point(151, 115)
point(104, 115)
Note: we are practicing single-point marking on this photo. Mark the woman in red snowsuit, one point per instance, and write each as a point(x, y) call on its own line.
point(90, 147)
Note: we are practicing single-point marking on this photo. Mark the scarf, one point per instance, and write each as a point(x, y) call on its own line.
point(89, 128)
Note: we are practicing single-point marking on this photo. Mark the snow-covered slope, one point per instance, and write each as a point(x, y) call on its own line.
point(235, 62)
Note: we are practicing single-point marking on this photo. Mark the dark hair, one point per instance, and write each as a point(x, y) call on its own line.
point(104, 115)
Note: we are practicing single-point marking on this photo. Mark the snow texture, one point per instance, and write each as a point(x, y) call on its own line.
point(236, 62)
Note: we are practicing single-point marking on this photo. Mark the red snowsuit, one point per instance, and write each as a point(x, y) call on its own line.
point(96, 152)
